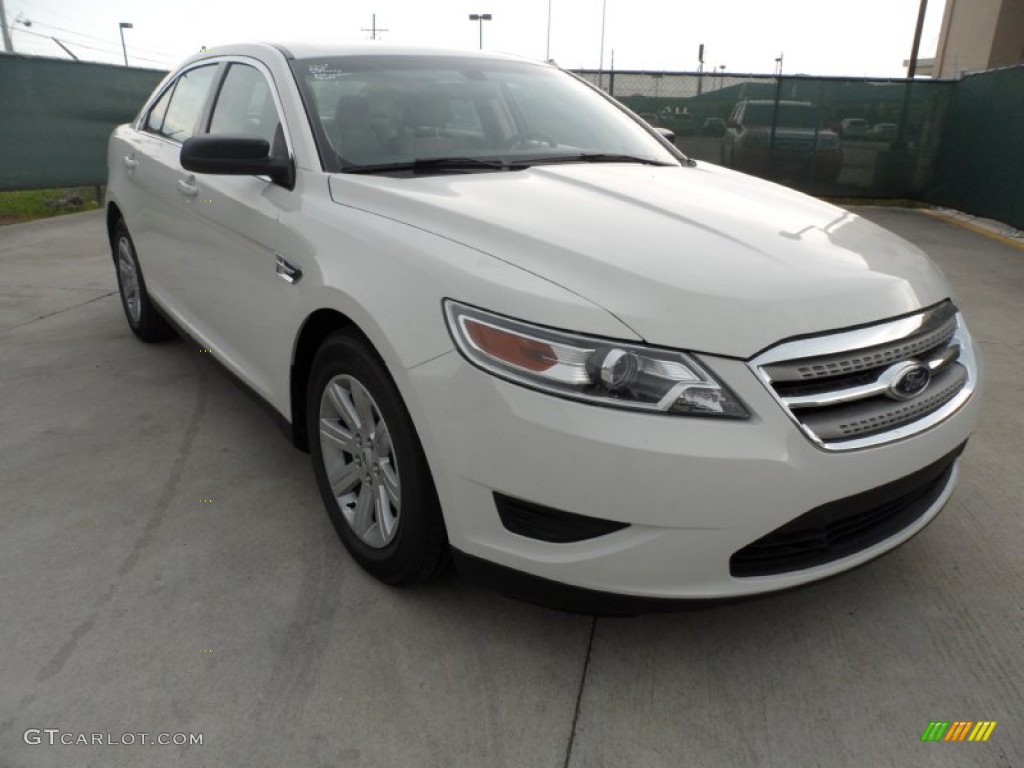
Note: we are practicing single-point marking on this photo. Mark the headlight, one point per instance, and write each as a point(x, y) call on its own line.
point(593, 370)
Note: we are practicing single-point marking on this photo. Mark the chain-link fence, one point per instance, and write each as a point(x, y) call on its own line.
point(955, 143)
point(829, 136)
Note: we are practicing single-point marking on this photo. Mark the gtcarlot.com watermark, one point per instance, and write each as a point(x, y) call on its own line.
point(55, 736)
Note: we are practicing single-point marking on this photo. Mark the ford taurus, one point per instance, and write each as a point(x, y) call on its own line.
point(518, 329)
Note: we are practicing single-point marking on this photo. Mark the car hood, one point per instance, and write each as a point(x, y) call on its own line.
point(702, 258)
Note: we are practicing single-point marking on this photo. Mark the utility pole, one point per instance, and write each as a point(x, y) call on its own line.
point(373, 30)
point(901, 130)
point(8, 45)
point(912, 69)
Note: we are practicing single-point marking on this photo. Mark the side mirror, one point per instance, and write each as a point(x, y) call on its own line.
point(236, 155)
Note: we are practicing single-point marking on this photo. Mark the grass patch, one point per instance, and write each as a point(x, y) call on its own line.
point(29, 204)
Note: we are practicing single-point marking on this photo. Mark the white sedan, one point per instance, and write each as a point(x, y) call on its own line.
point(517, 329)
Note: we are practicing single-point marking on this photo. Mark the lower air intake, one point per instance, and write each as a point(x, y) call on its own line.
point(546, 524)
point(843, 528)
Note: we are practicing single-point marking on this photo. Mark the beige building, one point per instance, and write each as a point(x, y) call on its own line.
point(978, 35)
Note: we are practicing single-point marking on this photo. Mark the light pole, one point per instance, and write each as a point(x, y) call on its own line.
point(700, 69)
point(122, 27)
point(721, 76)
point(778, 65)
point(600, 66)
point(481, 18)
point(547, 54)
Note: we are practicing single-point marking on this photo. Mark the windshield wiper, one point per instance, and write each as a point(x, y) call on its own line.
point(439, 165)
point(597, 157)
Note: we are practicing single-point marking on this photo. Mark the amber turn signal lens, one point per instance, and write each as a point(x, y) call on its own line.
point(510, 348)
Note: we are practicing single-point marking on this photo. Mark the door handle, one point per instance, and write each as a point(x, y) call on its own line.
point(188, 188)
point(130, 163)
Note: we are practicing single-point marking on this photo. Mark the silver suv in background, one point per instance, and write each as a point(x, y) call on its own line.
point(783, 139)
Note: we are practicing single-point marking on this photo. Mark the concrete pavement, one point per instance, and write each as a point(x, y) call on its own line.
point(167, 567)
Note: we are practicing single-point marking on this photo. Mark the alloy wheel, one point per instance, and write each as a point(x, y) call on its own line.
point(359, 461)
point(129, 272)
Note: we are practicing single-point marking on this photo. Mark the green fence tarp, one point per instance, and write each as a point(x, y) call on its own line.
point(56, 117)
point(980, 164)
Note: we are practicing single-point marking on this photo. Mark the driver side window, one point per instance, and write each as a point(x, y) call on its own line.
point(245, 105)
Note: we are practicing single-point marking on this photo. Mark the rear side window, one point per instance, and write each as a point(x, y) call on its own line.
point(178, 118)
point(245, 105)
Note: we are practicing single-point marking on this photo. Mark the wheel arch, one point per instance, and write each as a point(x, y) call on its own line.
point(114, 215)
point(316, 328)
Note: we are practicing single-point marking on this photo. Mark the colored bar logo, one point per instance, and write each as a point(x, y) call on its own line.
point(958, 730)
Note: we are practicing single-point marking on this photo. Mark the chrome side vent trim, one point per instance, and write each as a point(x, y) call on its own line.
point(873, 385)
point(286, 270)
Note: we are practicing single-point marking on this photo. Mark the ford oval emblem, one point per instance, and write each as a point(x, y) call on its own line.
point(910, 382)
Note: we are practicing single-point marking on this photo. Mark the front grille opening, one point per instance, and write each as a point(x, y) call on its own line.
point(830, 384)
point(546, 524)
point(881, 414)
point(846, 399)
point(843, 528)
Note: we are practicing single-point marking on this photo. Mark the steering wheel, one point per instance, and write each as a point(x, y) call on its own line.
point(521, 140)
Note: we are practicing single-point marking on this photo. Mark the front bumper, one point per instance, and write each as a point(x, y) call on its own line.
point(693, 491)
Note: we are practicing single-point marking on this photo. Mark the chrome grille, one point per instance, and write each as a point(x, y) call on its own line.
point(875, 357)
point(862, 387)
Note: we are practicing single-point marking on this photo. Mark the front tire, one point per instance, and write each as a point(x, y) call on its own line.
point(143, 318)
point(370, 467)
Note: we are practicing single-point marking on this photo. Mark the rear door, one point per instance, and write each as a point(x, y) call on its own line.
point(162, 194)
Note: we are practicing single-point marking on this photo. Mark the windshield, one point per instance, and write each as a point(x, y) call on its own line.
point(397, 109)
point(789, 115)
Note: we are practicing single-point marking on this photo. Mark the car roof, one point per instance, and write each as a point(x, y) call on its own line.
point(312, 50)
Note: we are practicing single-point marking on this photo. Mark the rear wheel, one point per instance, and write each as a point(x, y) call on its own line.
point(370, 467)
point(143, 318)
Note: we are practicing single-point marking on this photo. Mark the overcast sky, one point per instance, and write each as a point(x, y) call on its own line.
point(819, 37)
